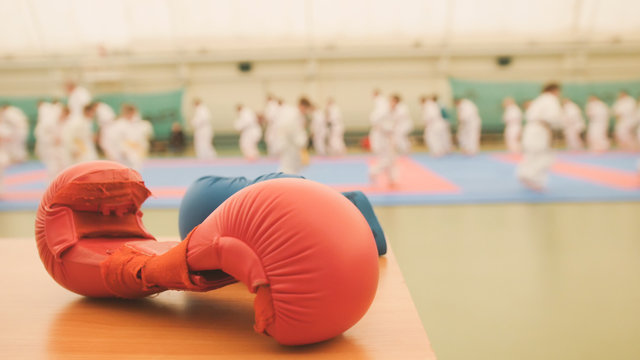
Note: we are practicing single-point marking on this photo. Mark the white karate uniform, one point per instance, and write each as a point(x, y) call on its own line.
point(386, 147)
point(59, 157)
point(403, 127)
point(78, 99)
point(203, 133)
point(626, 120)
point(17, 146)
point(598, 114)
point(380, 111)
point(46, 117)
point(544, 113)
point(319, 131)
point(250, 133)
point(6, 135)
point(290, 139)
point(106, 118)
point(77, 136)
point(132, 138)
point(573, 125)
point(469, 127)
point(437, 132)
point(336, 131)
point(512, 119)
point(271, 117)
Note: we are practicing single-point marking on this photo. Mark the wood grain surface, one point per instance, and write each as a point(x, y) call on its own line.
point(41, 320)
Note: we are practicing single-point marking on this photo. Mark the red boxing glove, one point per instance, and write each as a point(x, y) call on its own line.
point(314, 269)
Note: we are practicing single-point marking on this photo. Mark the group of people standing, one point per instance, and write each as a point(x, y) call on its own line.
point(14, 130)
point(549, 112)
point(66, 135)
point(572, 123)
point(391, 127)
point(286, 130)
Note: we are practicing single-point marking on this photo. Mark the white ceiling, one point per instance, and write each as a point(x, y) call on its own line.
point(41, 27)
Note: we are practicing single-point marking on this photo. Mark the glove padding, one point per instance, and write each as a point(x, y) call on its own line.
point(314, 269)
point(208, 192)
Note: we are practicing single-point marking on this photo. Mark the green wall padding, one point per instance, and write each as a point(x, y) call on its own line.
point(161, 108)
point(488, 95)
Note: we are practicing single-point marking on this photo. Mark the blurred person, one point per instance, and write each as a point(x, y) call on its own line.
point(48, 133)
point(291, 137)
point(573, 124)
point(625, 112)
point(270, 117)
point(6, 135)
point(17, 119)
point(46, 116)
point(386, 149)
point(202, 131)
point(250, 132)
point(79, 97)
point(403, 124)
point(638, 128)
point(437, 133)
point(469, 126)
point(319, 131)
point(512, 118)
point(59, 156)
point(597, 131)
point(336, 129)
point(106, 117)
point(176, 139)
point(543, 114)
point(131, 136)
point(77, 136)
point(380, 110)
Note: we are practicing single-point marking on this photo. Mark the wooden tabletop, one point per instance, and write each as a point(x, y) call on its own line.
point(40, 319)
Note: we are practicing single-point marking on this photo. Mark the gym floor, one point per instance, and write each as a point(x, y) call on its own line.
point(502, 281)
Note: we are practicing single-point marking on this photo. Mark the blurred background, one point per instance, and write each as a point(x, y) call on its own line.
point(238, 51)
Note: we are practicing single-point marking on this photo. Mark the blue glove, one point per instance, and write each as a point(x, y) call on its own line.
point(209, 192)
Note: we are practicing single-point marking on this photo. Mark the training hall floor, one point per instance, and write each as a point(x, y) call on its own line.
point(495, 270)
point(456, 179)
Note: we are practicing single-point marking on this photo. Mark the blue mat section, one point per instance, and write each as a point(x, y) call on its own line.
point(480, 179)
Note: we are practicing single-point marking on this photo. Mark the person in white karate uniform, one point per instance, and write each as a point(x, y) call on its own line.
point(106, 118)
point(625, 112)
point(336, 129)
point(437, 132)
point(380, 111)
point(131, 136)
point(59, 154)
point(291, 137)
point(48, 133)
point(469, 126)
point(403, 124)
point(319, 131)
point(17, 119)
point(270, 115)
point(43, 140)
point(250, 132)
point(572, 124)
point(79, 97)
point(544, 113)
point(597, 131)
point(202, 131)
point(77, 136)
point(386, 148)
point(6, 134)
point(512, 118)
